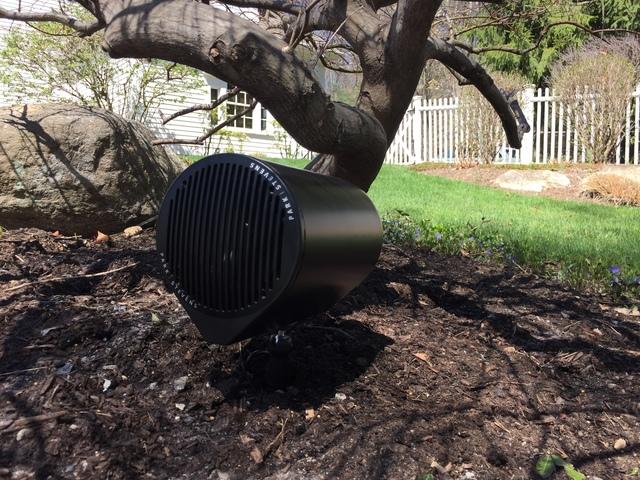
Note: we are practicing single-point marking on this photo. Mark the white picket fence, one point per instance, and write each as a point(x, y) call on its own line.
point(434, 131)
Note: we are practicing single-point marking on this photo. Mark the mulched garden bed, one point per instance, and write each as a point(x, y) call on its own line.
point(434, 359)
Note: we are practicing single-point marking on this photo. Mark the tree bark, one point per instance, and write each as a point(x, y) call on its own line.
point(234, 49)
point(351, 140)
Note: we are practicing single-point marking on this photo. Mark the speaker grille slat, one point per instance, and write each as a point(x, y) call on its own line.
point(251, 213)
point(220, 231)
point(194, 222)
point(225, 244)
point(205, 207)
point(209, 256)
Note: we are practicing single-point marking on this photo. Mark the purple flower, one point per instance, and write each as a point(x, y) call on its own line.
point(614, 269)
point(438, 236)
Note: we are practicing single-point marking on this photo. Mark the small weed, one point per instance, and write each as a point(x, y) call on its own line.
point(546, 466)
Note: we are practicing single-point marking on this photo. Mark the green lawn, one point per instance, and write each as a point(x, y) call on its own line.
point(576, 241)
point(583, 239)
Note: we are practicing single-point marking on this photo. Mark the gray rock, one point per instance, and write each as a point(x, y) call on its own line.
point(180, 384)
point(531, 180)
point(78, 169)
point(24, 433)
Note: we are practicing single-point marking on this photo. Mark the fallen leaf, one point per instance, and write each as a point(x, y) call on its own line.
point(309, 414)
point(132, 231)
point(245, 439)
point(256, 455)
point(442, 470)
point(180, 406)
point(632, 312)
point(422, 356)
point(102, 237)
point(425, 358)
point(56, 233)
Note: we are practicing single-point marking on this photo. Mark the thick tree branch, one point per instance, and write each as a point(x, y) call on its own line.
point(356, 22)
point(286, 6)
point(240, 52)
point(411, 23)
point(84, 28)
point(458, 61)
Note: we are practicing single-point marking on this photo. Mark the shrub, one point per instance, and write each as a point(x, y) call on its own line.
point(595, 83)
point(482, 132)
point(615, 188)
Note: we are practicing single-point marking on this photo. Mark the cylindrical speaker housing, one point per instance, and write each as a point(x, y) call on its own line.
point(246, 244)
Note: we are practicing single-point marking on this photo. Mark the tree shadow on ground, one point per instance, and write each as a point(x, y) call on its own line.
point(433, 357)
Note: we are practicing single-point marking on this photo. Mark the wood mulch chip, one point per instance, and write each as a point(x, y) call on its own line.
point(435, 364)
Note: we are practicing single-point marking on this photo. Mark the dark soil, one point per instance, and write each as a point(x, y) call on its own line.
point(434, 358)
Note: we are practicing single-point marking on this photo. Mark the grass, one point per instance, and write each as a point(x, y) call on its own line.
point(577, 242)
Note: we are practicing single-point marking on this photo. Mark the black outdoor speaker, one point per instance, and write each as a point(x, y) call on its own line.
point(248, 245)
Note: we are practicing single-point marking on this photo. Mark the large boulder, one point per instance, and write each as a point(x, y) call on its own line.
point(78, 169)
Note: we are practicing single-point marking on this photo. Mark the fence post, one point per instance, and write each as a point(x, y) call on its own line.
point(526, 152)
point(418, 157)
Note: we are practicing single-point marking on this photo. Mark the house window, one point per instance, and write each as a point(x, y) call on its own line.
point(263, 118)
point(236, 105)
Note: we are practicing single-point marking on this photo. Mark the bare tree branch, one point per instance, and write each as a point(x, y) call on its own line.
point(84, 28)
point(469, 68)
point(208, 133)
point(545, 31)
point(207, 106)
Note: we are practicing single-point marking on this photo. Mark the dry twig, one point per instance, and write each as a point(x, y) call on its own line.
point(70, 277)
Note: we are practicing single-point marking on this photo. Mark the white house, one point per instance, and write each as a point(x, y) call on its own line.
point(256, 133)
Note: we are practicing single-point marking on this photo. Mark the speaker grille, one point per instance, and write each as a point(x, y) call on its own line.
point(224, 245)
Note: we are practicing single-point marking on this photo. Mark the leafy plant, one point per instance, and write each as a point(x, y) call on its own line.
point(287, 146)
point(51, 63)
point(547, 464)
point(535, 23)
point(428, 476)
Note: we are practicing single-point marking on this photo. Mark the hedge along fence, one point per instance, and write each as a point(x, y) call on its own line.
point(441, 130)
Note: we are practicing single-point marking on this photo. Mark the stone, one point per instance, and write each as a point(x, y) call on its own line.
point(180, 384)
point(534, 181)
point(23, 433)
point(78, 169)
point(620, 444)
